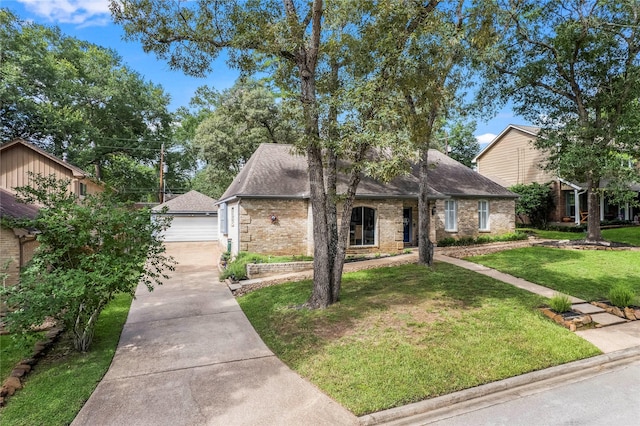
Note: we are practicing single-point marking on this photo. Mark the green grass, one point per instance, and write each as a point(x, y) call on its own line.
point(61, 383)
point(13, 350)
point(630, 235)
point(403, 334)
point(554, 235)
point(587, 274)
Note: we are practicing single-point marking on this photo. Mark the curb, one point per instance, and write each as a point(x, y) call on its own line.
point(425, 408)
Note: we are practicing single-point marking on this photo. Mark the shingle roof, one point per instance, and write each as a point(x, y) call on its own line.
point(191, 202)
point(10, 207)
point(276, 171)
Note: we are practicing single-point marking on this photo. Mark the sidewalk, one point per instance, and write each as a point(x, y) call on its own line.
point(189, 356)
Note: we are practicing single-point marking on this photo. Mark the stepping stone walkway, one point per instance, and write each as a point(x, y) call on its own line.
point(598, 315)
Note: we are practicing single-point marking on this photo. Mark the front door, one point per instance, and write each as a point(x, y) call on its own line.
point(406, 224)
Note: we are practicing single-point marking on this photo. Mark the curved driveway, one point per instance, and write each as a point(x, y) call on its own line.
point(189, 356)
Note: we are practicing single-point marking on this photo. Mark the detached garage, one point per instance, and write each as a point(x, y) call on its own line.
point(195, 218)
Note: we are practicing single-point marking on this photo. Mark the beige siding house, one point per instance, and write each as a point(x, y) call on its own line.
point(266, 209)
point(511, 159)
point(18, 158)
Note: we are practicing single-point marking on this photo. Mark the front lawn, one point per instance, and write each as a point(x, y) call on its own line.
point(61, 383)
point(628, 235)
point(403, 334)
point(587, 274)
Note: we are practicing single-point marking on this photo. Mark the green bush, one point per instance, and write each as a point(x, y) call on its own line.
point(482, 239)
point(621, 296)
point(560, 303)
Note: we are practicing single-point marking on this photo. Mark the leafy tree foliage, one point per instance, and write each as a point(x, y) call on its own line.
point(572, 66)
point(90, 250)
point(536, 202)
point(243, 117)
point(70, 96)
point(458, 142)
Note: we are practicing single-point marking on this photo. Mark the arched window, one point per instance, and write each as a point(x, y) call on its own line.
point(362, 231)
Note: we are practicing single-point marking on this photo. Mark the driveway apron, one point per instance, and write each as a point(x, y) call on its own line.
point(189, 356)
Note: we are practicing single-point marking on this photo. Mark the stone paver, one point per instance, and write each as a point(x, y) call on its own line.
point(587, 308)
point(605, 319)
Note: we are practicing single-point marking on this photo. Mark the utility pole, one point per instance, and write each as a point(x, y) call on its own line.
point(162, 174)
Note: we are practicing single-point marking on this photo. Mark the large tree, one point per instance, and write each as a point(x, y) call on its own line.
point(572, 66)
point(75, 98)
point(337, 60)
point(243, 117)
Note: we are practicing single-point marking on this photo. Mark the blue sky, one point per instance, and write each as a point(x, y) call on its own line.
point(90, 20)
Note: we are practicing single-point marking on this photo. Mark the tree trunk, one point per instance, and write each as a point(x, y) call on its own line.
point(425, 246)
point(594, 233)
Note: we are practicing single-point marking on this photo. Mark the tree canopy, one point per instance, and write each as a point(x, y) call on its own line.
point(572, 67)
point(73, 97)
point(231, 126)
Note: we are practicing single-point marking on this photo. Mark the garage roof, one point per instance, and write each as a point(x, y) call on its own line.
point(191, 202)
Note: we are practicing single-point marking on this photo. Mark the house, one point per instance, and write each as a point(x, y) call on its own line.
point(19, 158)
point(267, 209)
point(16, 244)
point(511, 158)
point(194, 217)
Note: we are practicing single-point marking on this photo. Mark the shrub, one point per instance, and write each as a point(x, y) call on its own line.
point(535, 201)
point(560, 303)
point(621, 296)
point(483, 239)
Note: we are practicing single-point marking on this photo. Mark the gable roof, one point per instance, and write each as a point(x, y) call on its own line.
point(191, 202)
point(531, 130)
point(277, 171)
point(10, 207)
point(75, 171)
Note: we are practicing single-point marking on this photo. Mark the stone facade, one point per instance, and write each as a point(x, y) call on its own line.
point(250, 221)
point(501, 218)
point(286, 235)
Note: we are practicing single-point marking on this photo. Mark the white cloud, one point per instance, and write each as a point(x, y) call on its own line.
point(80, 12)
point(485, 138)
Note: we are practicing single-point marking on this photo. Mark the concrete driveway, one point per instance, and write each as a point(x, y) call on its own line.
point(189, 356)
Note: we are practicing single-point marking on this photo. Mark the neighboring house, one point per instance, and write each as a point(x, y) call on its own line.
point(16, 244)
point(511, 158)
point(194, 217)
point(18, 158)
point(267, 209)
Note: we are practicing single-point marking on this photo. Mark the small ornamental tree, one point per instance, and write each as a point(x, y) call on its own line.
point(90, 250)
point(536, 202)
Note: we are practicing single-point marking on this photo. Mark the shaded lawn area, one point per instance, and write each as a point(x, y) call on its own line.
point(587, 274)
point(404, 334)
point(61, 383)
point(14, 350)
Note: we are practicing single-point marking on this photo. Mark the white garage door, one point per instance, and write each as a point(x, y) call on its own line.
point(192, 228)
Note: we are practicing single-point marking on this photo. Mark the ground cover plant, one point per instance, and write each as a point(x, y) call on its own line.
point(237, 268)
point(61, 383)
point(483, 239)
point(587, 274)
point(403, 334)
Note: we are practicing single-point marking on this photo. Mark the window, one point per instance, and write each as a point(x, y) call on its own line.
point(483, 215)
point(450, 215)
point(83, 189)
point(363, 225)
point(222, 214)
point(233, 217)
